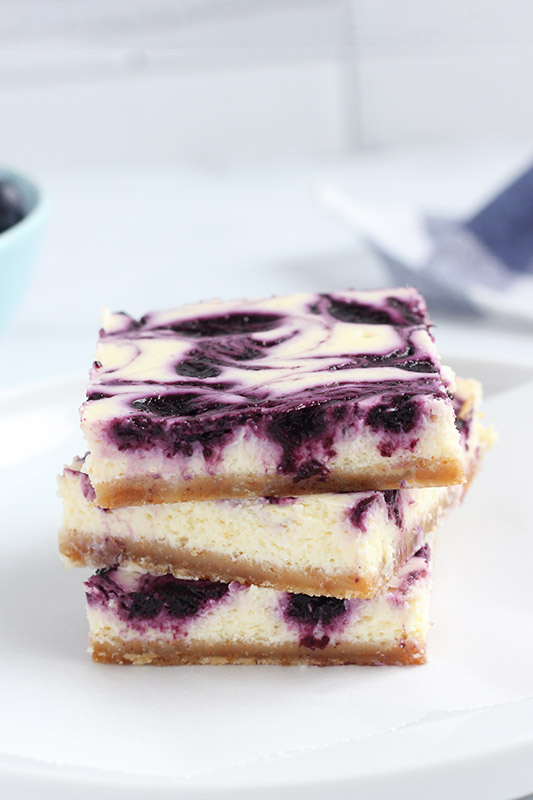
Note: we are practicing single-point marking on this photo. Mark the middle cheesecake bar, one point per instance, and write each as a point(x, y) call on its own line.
point(338, 544)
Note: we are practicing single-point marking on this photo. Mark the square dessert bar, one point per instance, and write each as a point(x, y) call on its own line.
point(308, 393)
point(338, 544)
point(139, 618)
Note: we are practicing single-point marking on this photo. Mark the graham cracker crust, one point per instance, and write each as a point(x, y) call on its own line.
point(162, 653)
point(147, 489)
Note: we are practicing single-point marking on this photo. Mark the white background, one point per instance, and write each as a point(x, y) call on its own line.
point(97, 80)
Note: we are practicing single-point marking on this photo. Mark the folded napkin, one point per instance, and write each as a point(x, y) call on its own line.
point(483, 264)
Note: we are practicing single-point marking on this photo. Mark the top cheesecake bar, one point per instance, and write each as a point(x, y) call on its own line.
point(300, 394)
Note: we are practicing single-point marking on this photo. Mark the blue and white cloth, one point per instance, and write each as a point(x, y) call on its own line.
point(483, 264)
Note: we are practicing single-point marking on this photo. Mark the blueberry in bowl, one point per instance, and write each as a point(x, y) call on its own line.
point(21, 221)
point(12, 208)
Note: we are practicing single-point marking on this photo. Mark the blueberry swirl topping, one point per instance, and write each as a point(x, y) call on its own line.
point(297, 370)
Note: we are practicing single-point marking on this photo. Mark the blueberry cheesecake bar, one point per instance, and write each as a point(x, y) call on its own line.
point(339, 544)
point(308, 393)
point(139, 618)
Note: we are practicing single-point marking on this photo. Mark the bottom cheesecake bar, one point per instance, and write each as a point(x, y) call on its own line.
point(140, 618)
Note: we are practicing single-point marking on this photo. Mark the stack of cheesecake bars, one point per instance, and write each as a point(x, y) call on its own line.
point(264, 479)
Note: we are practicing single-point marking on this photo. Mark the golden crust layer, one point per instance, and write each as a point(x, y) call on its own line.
point(148, 489)
point(162, 653)
point(160, 559)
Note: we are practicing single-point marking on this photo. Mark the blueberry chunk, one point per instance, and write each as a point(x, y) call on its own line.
point(392, 498)
point(238, 349)
point(398, 415)
point(226, 325)
point(315, 610)
point(197, 368)
point(351, 311)
point(294, 429)
point(182, 598)
point(145, 606)
point(11, 205)
point(311, 468)
point(358, 512)
point(176, 405)
point(410, 312)
point(419, 365)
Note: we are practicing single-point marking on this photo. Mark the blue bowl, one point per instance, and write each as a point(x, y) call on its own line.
point(19, 244)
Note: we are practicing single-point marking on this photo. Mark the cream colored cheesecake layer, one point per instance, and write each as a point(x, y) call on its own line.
point(251, 621)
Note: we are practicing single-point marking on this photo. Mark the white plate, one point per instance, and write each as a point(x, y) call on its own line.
point(43, 637)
